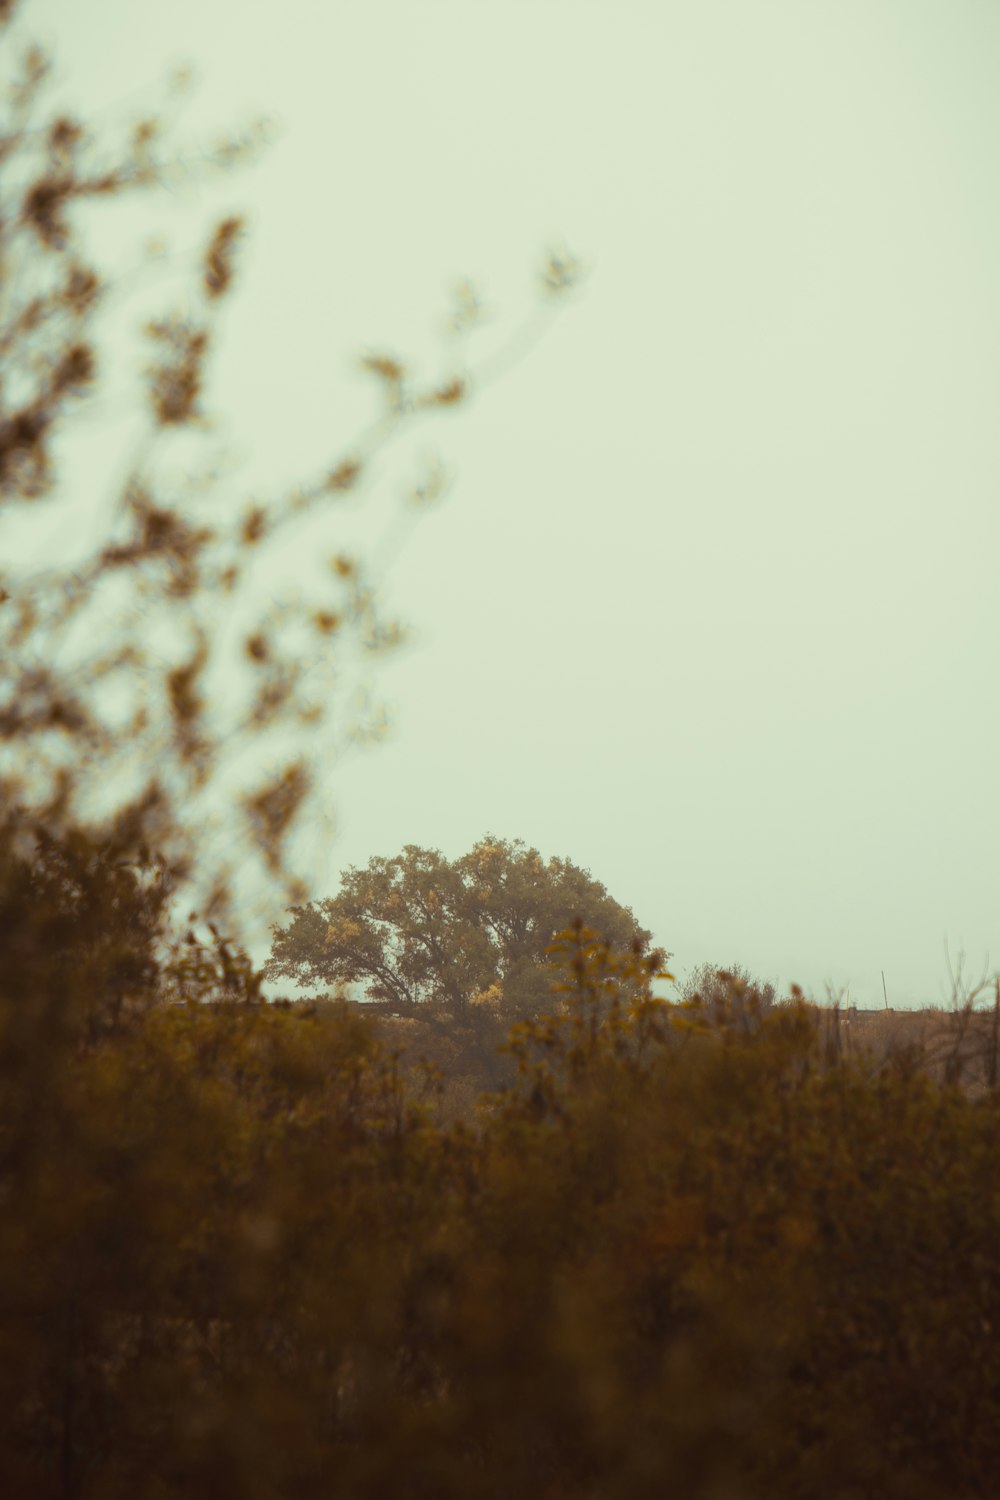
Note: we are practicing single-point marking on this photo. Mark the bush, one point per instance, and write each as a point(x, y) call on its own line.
point(724, 993)
point(673, 1258)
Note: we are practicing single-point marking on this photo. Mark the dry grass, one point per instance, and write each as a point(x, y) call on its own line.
point(960, 1045)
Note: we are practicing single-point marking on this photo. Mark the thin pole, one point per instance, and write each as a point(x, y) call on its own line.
point(885, 997)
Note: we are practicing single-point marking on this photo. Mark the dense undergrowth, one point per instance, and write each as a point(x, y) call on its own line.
point(249, 1250)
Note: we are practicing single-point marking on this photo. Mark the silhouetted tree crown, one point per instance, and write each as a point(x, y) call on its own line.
point(419, 928)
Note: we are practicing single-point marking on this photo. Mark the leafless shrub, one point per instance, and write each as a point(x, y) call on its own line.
point(728, 995)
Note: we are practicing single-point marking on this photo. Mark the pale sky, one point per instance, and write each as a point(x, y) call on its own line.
point(711, 605)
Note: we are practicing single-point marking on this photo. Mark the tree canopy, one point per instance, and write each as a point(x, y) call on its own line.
point(418, 928)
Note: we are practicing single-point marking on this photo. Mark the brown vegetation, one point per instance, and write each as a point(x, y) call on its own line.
point(954, 1046)
point(723, 1247)
point(676, 1252)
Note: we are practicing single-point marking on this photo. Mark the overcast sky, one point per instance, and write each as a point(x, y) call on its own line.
point(711, 607)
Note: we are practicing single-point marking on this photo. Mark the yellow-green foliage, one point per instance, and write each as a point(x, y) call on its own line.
point(459, 935)
point(679, 1256)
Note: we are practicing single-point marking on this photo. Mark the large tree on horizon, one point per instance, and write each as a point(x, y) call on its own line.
point(418, 928)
